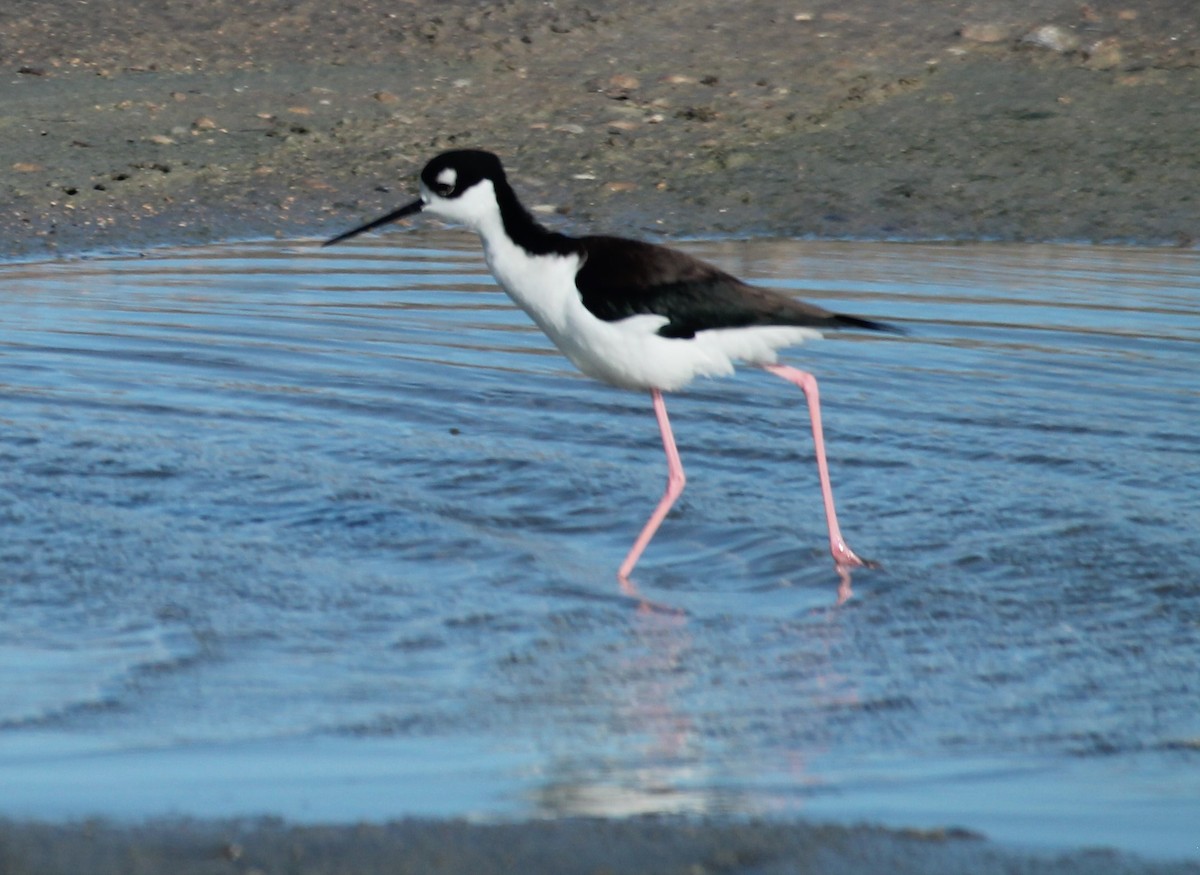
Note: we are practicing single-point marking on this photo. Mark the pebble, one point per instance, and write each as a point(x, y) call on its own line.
point(569, 128)
point(161, 140)
point(1103, 55)
point(626, 109)
point(735, 160)
point(27, 167)
point(1053, 37)
point(984, 33)
point(620, 186)
point(619, 86)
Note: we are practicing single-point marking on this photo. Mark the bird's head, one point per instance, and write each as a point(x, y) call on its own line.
point(459, 186)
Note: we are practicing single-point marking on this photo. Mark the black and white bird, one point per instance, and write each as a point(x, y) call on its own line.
point(635, 315)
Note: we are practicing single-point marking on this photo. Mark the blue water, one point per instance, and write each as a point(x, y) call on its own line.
point(333, 534)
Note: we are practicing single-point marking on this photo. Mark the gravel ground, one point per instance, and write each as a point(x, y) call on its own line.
point(130, 124)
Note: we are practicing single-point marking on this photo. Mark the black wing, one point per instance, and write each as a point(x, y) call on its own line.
point(622, 278)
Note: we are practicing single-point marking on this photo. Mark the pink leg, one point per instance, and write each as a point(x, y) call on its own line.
point(675, 482)
point(843, 556)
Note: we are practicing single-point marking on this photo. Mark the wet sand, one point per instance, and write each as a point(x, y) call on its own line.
point(142, 123)
point(650, 845)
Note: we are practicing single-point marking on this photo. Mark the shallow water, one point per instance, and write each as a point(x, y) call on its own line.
point(333, 534)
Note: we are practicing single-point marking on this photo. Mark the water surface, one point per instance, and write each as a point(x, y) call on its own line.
point(332, 534)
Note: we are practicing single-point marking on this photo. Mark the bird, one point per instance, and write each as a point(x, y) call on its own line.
point(633, 314)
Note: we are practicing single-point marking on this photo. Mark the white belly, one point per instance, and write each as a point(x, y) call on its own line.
point(631, 354)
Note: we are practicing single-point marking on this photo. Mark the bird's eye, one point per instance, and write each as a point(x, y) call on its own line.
point(444, 189)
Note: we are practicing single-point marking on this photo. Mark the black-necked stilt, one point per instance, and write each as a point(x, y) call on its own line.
point(633, 314)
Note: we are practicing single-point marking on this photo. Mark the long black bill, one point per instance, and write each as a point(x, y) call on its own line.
point(395, 215)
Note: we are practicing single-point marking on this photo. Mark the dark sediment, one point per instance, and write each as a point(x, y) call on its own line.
point(649, 845)
point(138, 123)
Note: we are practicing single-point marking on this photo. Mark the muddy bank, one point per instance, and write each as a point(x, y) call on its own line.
point(131, 124)
point(642, 845)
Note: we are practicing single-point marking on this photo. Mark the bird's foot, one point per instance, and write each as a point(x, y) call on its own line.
point(844, 557)
point(644, 605)
point(846, 560)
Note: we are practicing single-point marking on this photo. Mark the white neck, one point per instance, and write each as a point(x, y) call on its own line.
point(541, 285)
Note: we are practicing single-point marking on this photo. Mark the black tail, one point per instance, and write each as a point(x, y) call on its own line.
point(841, 321)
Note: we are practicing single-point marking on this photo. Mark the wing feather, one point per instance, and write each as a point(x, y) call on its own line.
point(691, 294)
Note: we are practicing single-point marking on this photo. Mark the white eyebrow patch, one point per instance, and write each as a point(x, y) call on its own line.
point(449, 176)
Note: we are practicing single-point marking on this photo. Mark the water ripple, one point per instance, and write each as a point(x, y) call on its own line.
point(262, 493)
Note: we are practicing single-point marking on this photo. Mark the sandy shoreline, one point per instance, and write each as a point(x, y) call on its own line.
point(131, 125)
point(957, 121)
point(651, 845)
